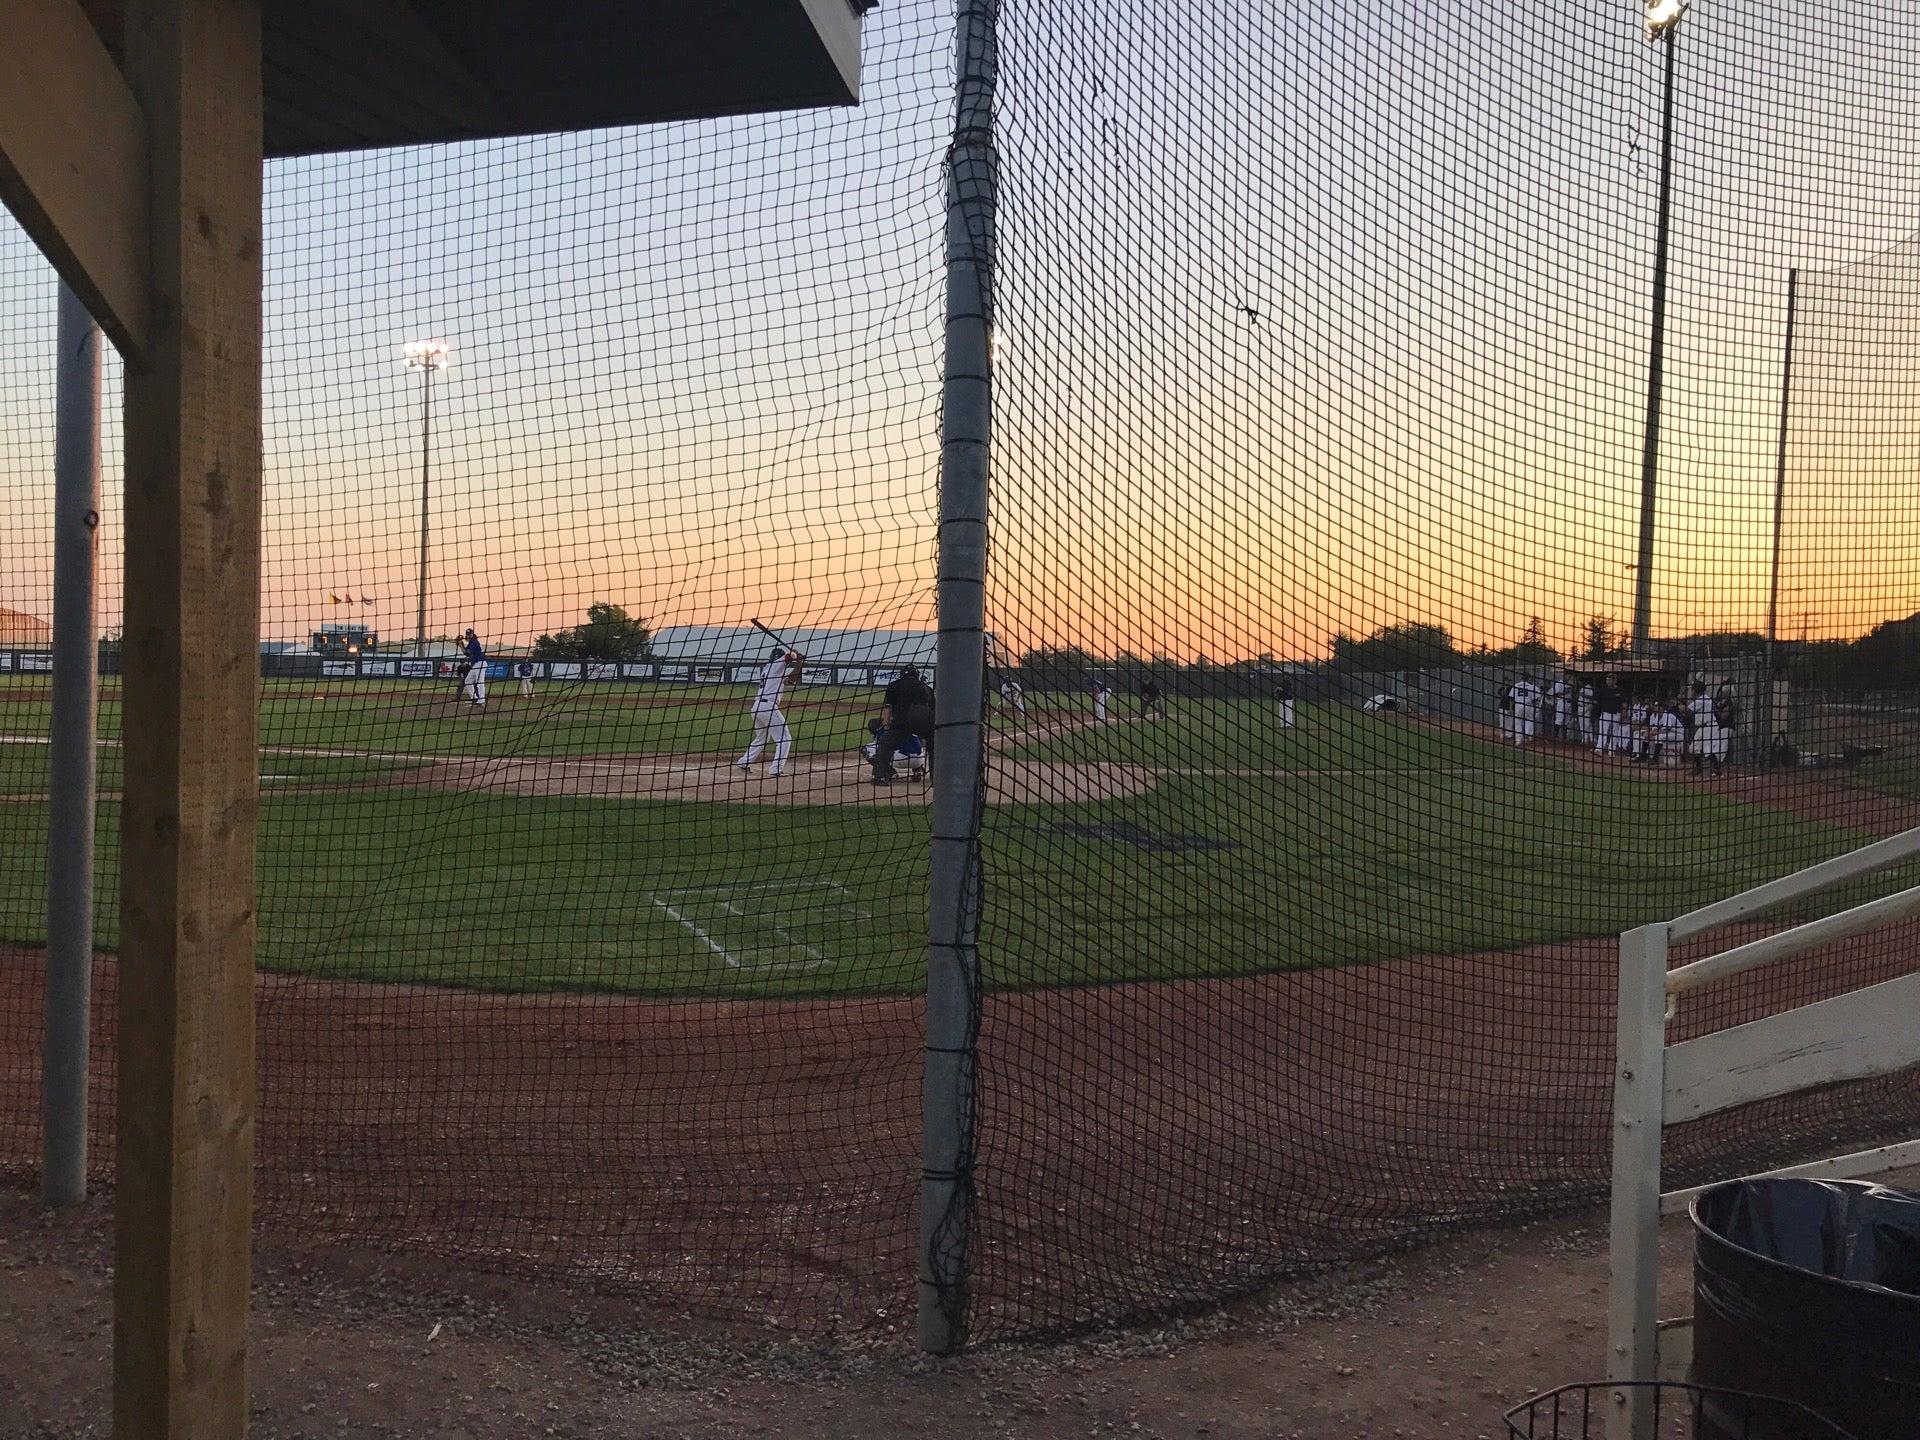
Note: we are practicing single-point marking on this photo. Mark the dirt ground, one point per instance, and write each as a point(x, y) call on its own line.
point(1434, 1343)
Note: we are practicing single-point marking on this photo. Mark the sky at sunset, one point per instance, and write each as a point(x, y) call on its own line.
point(1314, 318)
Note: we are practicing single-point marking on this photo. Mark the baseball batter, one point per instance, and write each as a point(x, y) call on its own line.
point(768, 723)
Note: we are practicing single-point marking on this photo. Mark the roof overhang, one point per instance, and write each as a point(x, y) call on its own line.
point(362, 74)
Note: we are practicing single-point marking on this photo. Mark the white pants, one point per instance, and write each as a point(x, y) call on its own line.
point(526, 687)
point(475, 688)
point(1100, 709)
point(1286, 714)
point(769, 724)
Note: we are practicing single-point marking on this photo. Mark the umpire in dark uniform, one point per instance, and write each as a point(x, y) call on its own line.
point(909, 712)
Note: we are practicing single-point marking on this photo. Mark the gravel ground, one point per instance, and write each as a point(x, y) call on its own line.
point(1435, 1342)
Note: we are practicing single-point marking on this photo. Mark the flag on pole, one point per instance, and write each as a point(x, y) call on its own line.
point(333, 599)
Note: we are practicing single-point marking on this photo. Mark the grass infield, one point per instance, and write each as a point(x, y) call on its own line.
point(1384, 839)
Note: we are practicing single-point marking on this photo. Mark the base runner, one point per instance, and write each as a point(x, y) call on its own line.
point(768, 723)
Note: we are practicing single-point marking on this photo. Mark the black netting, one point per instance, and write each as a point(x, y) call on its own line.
point(1322, 769)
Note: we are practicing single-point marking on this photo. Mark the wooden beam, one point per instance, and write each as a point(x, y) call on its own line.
point(73, 162)
point(183, 1188)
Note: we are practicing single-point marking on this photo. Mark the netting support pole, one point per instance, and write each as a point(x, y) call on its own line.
point(959, 769)
point(70, 756)
point(1656, 355)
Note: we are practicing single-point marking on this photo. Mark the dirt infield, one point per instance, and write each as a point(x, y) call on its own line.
point(807, 780)
point(1143, 1146)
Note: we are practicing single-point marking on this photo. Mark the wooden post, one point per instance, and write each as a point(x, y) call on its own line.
point(1633, 1252)
point(183, 1187)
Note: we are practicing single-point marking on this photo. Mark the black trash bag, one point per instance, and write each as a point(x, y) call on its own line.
point(1810, 1290)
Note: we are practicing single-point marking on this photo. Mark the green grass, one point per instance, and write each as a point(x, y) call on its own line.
point(581, 719)
point(23, 769)
point(515, 893)
point(1245, 734)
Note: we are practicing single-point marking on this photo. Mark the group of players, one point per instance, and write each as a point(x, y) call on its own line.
point(1648, 731)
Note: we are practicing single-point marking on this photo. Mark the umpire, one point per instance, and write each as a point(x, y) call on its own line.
point(909, 711)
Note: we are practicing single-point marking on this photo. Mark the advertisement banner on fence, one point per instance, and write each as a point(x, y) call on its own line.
point(339, 669)
point(35, 660)
point(376, 667)
point(636, 672)
point(882, 677)
point(598, 670)
point(416, 669)
point(564, 669)
point(6, 660)
point(817, 675)
point(711, 674)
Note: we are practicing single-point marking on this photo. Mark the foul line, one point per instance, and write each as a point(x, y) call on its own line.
point(698, 934)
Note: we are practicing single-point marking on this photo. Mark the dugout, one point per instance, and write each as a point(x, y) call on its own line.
point(132, 139)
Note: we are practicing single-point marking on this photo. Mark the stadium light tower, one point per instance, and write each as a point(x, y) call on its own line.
point(1663, 21)
point(428, 357)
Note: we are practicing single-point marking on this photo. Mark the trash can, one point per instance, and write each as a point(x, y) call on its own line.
point(1810, 1290)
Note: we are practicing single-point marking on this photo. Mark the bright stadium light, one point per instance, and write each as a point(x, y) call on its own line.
point(428, 357)
point(1662, 16)
point(426, 354)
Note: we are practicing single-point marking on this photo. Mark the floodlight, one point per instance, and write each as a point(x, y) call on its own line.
point(1662, 16)
point(427, 354)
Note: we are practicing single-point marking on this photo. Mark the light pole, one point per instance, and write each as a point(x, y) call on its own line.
point(1663, 21)
point(426, 356)
point(1780, 477)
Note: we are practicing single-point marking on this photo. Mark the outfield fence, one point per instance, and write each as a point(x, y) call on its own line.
point(1279, 356)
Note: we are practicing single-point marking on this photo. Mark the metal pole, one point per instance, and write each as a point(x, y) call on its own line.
point(953, 962)
point(70, 780)
point(1770, 684)
point(426, 432)
point(1650, 456)
point(1780, 474)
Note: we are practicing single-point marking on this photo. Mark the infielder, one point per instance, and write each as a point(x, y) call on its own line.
point(1283, 697)
point(1100, 694)
point(768, 722)
point(476, 684)
point(526, 680)
point(1013, 697)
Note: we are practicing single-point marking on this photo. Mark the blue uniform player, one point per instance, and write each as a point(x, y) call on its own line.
point(476, 685)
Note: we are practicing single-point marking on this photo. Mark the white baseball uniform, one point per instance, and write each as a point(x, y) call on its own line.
point(768, 722)
point(1100, 704)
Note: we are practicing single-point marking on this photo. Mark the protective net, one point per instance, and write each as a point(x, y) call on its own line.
point(1322, 769)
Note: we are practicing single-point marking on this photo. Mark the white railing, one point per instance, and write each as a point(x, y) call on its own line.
point(1849, 1037)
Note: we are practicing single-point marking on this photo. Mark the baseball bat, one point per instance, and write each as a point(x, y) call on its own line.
point(770, 635)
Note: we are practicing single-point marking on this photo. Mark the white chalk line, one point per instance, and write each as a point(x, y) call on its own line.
point(707, 895)
point(699, 934)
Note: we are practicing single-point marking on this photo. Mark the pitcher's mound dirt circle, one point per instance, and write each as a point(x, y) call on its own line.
point(806, 780)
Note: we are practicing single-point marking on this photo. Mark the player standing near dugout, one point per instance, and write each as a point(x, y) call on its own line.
point(908, 712)
point(476, 684)
point(768, 722)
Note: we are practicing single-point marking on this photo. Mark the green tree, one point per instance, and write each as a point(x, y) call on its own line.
point(1409, 646)
point(1597, 638)
point(608, 634)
